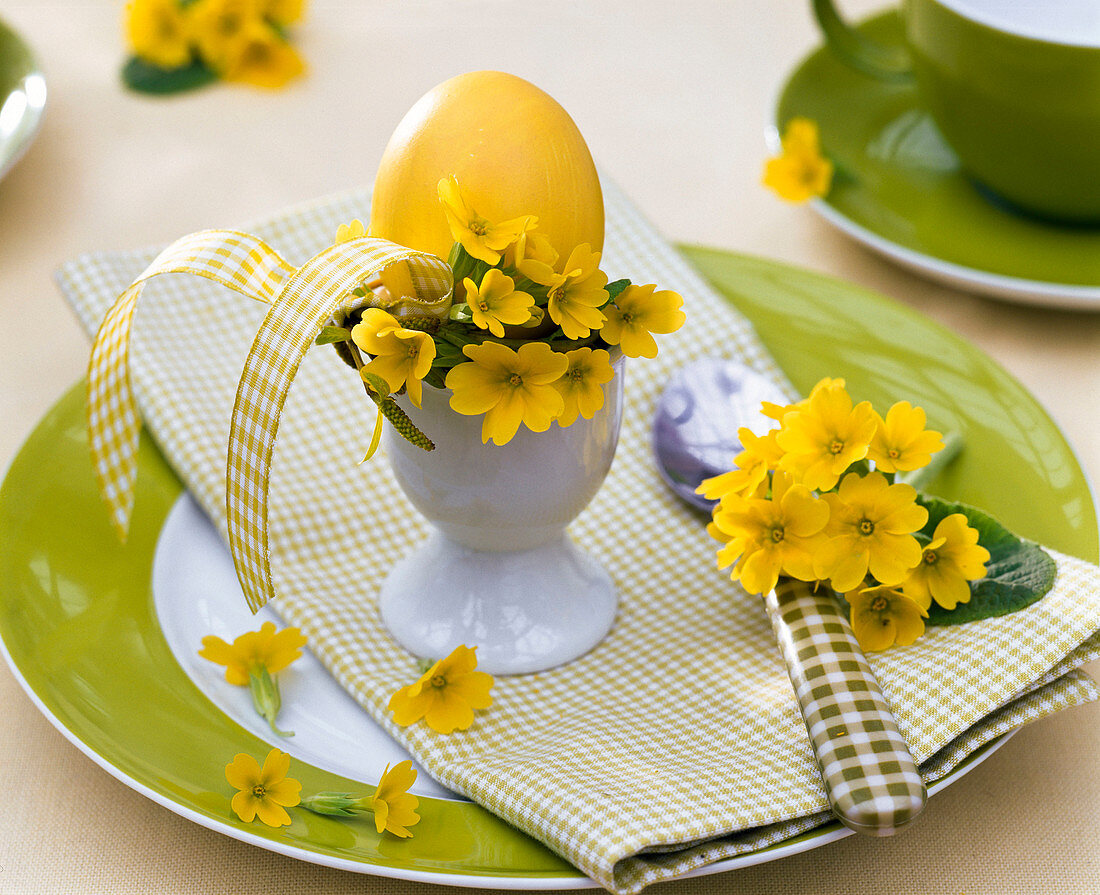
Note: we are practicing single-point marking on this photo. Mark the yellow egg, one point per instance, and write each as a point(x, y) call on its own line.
point(515, 152)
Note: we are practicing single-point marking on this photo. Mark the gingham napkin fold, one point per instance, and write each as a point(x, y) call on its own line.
point(677, 741)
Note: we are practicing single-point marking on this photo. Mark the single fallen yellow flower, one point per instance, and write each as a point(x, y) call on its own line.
point(266, 648)
point(800, 172)
point(264, 792)
point(393, 806)
point(446, 694)
point(253, 659)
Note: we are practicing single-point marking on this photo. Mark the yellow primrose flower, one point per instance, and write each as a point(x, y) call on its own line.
point(871, 525)
point(348, 232)
point(284, 12)
point(158, 33)
point(266, 648)
point(800, 172)
point(264, 792)
point(581, 385)
point(761, 455)
point(771, 537)
point(882, 616)
point(446, 694)
point(496, 302)
point(532, 253)
point(509, 387)
point(576, 294)
point(482, 239)
point(402, 357)
point(262, 58)
point(638, 311)
point(825, 437)
point(776, 412)
point(953, 558)
point(220, 27)
point(901, 442)
point(393, 805)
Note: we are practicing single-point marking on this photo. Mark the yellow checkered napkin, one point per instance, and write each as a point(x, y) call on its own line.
point(677, 741)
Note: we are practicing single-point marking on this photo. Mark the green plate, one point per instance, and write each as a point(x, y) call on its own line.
point(80, 632)
point(22, 97)
point(900, 190)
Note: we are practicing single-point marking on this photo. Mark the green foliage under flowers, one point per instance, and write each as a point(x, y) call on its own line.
point(1018, 573)
point(144, 77)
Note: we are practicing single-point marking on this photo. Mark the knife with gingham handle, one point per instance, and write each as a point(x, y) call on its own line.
point(870, 777)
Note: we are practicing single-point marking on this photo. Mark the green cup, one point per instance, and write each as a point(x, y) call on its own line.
point(1013, 85)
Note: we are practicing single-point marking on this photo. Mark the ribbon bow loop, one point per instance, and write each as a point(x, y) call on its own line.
point(302, 300)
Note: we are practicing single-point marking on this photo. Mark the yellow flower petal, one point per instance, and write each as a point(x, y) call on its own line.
point(157, 31)
point(409, 707)
point(448, 712)
point(244, 806)
point(243, 771)
point(271, 814)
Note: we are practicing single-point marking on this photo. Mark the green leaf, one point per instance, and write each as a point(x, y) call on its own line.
point(436, 375)
point(329, 335)
point(1018, 573)
point(614, 290)
point(378, 385)
point(144, 77)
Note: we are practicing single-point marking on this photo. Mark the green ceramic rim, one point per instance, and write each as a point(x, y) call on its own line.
point(907, 198)
point(17, 63)
point(79, 629)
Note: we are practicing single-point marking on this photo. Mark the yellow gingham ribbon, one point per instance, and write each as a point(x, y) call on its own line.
point(314, 294)
point(302, 300)
point(236, 260)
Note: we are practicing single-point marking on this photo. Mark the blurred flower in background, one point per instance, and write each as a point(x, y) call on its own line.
point(180, 45)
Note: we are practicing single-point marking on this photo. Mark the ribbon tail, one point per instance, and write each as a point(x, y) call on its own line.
point(320, 288)
point(236, 260)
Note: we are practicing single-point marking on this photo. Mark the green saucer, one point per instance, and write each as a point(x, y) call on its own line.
point(899, 190)
point(22, 97)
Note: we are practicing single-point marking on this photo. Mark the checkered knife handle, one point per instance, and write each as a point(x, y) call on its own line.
point(870, 777)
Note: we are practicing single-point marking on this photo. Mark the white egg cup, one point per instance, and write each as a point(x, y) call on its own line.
point(499, 572)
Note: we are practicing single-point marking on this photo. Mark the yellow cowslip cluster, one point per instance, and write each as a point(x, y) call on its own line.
point(529, 337)
point(800, 172)
point(238, 40)
point(815, 499)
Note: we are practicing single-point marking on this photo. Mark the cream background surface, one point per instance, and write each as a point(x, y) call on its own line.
point(673, 99)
